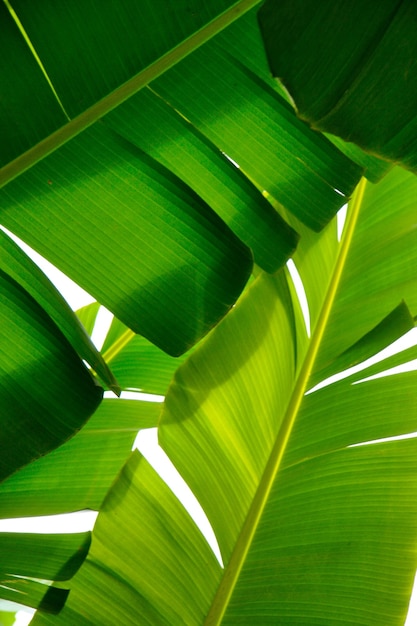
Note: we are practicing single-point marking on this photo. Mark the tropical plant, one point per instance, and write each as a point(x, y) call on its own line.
point(148, 153)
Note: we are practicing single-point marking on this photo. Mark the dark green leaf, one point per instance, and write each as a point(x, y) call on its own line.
point(98, 201)
point(255, 127)
point(46, 393)
point(151, 124)
point(15, 263)
point(350, 69)
point(24, 87)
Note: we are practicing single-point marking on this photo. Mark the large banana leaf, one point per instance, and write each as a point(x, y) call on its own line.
point(105, 180)
point(312, 527)
point(135, 196)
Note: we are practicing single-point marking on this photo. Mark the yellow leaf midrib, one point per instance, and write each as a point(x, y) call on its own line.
point(232, 571)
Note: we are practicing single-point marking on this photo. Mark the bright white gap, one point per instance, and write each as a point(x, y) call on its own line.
point(136, 395)
point(147, 443)
point(412, 609)
point(411, 366)
point(23, 617)
point(301, 294)
point(73, 293)
point(101, 327)
point(231, 160)
point(77, 522)
point(341, 220)
point(404, 342)
point(384, 440)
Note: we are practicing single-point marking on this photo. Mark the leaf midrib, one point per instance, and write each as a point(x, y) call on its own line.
point(232, 571)
point(125, 91)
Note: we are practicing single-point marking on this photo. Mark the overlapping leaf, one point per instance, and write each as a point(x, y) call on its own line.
point(100, 201)
point(311, 529)
point(78, 474)
point(46, 392)
point(16, 264)
point(26, 557)
point(255, 127)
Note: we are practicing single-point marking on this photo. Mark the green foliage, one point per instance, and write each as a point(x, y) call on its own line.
point(158, 161)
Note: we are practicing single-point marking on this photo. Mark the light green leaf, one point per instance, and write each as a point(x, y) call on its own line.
point(379, 274)
point(392, 327)
point(79, 473)
point(137, 364)
point(51, 557)
point(87, 316)
point(312, 527)
point(7, 618)
point(315, 522)
point(182, 567)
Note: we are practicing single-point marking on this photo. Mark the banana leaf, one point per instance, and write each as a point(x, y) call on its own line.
point(313, 527)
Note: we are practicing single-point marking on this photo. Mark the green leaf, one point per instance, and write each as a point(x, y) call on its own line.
point(256, 128)
point(19, 130)
point(53, 557)
point(392, 327)
point(46, 393)
point(186, 267)
point(47, 556)
point(313, 528)
point(34, 594)
point(137, 364)
point(243, 40)
point(380, 268)
point(7, 618)
point(375, 168)
point(159, 130)
point(82, 75)
point(124, 539)
point(316, 523)
point(15, 263)
point(53, 34)
point(87, 316)
point(346, 71)
point(79, 473)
